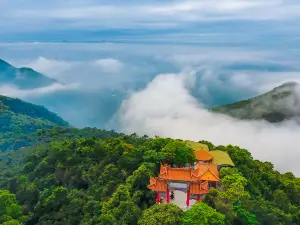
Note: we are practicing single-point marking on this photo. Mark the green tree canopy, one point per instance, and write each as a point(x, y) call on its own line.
point(178, 152)
point(90, 177)
point(121, 207)
point(164, 214)
point(202, 214)
point(10, 211)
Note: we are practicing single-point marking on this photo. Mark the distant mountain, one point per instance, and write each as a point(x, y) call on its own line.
point(281, 103)
point(18, 119)
point(23, 78)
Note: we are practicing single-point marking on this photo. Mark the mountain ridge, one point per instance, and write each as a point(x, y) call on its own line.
point(277, 105)
point(19, 119)
point(23, 77)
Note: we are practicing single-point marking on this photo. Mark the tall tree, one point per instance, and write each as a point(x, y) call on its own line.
point(202, 214)
point(178, 152)
point(164, 214)
point(10, 211)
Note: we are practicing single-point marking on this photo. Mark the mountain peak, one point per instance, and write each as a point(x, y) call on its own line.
point(281, 103)
point(23, 78)
point(18, 118)
point(288, 84)
point(4, 65)
point(26, 69)
point(2, 62)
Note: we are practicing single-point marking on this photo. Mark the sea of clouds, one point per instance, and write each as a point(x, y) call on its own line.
point(163, 90)
point(166, 108)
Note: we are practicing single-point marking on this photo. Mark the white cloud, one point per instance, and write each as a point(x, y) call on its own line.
point(91, 74)
point(215, 84)
point(217, 56)
point(12, 91)
point(102, 70)
point(265, 81)
point(209, 6)
point(62, 69)
point(218, 10)
point(109, 65)
point(166, 108)
point(50, 67)
point(95, 14)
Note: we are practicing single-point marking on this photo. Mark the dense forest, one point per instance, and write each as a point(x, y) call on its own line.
point(19, 119)
point(90, 176)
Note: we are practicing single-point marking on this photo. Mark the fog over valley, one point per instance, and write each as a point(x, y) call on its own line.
point(165, 91)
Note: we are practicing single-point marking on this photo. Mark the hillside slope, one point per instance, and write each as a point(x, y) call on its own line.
point(104, 181)
point(281, 103)
point(19, 118)
point(23, 78)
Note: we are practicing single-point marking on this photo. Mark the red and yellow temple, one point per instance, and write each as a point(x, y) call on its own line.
point(194, 179)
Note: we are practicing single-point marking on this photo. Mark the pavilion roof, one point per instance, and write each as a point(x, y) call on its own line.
point(203, 155)
point(201, 172)
point(199, 188)
point(208, 172)
point(158, 185)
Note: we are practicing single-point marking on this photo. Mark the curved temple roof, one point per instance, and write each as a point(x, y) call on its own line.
point(158, 185)
point(198, 177)
point(199, 188)
point(201, 172)
point(203, 155)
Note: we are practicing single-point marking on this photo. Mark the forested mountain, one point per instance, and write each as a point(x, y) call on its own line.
point(19, 119)
point(103, 180)
point(281, 103)
point(59, 175)
point(23, 78)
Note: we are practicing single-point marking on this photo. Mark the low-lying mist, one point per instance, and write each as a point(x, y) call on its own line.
point(96, 78)
point(166, 108)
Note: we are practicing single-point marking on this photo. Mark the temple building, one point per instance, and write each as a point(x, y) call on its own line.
point(193, 181)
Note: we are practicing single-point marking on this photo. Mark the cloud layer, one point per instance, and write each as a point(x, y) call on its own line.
point(15, 92)
point(92, 12)
point(96, 78)
point(166, 108)
point(94, 20)
point(89, 75)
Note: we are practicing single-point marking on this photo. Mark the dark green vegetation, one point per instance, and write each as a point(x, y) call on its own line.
point(103, 180)
point(281, 103)
point(10, 211)
point(23, 78)
point(18, 120)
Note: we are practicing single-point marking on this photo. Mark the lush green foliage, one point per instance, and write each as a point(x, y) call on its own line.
point(18, 119)
point(202, 214)
point(254, 193)
point(67, 180)
point(92, 177)
point(10, 211)
point(165, 214)
point(178, 152)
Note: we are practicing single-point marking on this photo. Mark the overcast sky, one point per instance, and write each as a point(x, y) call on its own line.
point(189, 21)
